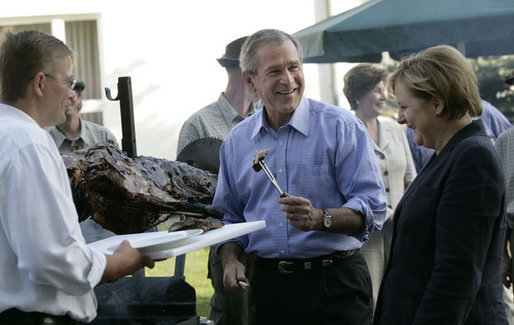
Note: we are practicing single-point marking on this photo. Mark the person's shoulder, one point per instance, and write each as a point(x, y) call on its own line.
point(95, 126)
point(505, 141)
point(23, 137)
point(489, 108)
point(204, 112)
point(506, 134)
point(93, 132)
point(248, 122)
point(52, 130)
point(244, 129)
point(331, 111)
point(475, 147)
point(391, 125)
point(21, 132)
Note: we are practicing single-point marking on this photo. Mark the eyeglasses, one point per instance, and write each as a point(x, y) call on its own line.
point(71, 83)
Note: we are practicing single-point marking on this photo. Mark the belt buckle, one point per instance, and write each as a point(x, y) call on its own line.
point(326, 263)
point(47, 320)
point(282, 267)
point(50, 320)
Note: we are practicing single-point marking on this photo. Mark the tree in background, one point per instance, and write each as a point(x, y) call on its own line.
point(491, 72)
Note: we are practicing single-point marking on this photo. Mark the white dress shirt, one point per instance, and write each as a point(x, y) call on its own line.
point(45, 264)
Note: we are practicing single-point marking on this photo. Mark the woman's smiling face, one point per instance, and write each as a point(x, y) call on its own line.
point(373, 102)
point(418, 114)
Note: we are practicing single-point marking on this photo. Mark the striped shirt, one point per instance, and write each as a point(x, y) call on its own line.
point(90, 134)
point(213, 121)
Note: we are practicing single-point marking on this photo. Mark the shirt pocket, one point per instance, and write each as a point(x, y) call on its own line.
point(313, 181)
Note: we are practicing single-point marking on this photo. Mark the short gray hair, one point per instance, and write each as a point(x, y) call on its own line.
point(248, 58)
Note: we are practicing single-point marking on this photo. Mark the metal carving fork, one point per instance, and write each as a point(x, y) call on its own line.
point(271, 177)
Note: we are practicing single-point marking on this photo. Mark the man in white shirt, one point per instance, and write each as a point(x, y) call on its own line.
point(48, 272)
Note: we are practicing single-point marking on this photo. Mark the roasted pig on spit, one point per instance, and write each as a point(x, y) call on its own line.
point(131, 195)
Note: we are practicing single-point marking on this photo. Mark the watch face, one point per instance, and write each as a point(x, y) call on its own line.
point(327, 221)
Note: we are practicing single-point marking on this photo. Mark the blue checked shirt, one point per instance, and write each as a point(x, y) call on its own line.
point(323, 154)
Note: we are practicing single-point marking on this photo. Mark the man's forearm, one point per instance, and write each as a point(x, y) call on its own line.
point(346, 221)
point(229, 252)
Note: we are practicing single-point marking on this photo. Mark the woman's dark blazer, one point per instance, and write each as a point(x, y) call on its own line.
point(449, 228)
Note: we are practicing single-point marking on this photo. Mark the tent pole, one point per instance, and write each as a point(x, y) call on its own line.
point(461, 46)
point(326, 72)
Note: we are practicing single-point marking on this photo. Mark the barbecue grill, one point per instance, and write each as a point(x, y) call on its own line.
point(139, 299)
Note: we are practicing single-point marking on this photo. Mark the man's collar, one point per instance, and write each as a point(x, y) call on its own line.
point(299, 120)
point(58, 136)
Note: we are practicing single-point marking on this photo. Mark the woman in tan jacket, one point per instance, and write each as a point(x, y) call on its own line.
point(365, 90)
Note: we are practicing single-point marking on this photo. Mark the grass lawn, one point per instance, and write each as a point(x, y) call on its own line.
point(195, 272)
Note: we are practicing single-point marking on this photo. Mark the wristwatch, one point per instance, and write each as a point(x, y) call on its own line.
point(327, 219)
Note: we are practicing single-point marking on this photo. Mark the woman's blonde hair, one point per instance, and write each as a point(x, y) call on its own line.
point(443, 72)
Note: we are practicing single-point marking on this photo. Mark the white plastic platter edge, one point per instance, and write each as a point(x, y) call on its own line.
point(183, 246)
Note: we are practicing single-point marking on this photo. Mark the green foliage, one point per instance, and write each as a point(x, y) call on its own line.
point(491, 72)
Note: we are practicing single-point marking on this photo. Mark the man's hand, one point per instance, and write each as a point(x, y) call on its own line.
point(300, 213)
point(125, 260)
point(233, 270)
point(232, 273)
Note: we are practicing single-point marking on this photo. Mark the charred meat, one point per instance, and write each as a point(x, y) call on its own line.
point(130, 195)
point(259, 157)
point(194, 223)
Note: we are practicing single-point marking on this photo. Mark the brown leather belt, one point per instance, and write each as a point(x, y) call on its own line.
point(289, 266)
point(18, 317)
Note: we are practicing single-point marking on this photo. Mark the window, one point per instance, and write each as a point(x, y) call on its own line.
point(82, 37)
point(80, 33)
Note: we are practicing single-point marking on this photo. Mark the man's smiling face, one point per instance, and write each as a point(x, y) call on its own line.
point(279, 80)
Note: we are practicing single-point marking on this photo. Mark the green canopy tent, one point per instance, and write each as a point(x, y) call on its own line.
point(401, 27)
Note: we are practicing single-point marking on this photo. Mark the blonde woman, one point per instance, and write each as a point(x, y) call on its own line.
point(449, 227)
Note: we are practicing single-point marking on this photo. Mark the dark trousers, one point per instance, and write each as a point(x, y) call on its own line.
point(337, 294)
point(227, 307)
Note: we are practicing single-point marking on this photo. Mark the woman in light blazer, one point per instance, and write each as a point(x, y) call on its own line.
point(364, 89)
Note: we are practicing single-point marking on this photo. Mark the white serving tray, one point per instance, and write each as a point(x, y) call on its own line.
point(179, 246)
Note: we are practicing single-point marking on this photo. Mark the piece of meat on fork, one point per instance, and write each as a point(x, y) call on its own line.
point(259, 164)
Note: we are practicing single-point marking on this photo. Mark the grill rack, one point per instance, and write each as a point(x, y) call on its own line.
point(138, 299)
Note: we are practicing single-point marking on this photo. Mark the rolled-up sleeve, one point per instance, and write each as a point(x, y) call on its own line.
point(359, 178)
